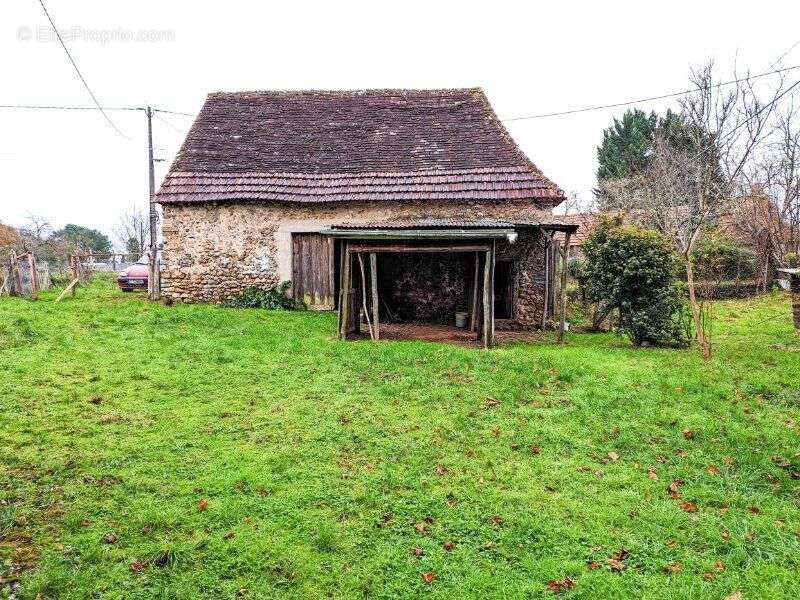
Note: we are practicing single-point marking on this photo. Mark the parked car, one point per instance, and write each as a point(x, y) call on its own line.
point(135, 276)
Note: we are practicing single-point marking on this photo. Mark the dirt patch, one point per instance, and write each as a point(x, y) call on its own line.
point(432, 332)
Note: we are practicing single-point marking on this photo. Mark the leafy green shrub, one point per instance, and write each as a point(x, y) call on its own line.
point(718, 258)
point(576, 268)
point(274, 298)
point(792, 259)
point(634, 270)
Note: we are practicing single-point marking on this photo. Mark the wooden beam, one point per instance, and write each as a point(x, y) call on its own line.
point(341, 291)
point(564, 269)
point(410, 248)
point(487, 274)
point(346, 291)
point(373, 273)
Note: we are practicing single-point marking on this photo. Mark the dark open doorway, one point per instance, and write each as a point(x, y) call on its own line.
point(503, 289)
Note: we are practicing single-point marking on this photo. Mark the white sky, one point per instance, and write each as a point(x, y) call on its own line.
point(529, 57)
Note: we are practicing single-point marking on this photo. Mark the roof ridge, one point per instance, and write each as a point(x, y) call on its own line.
point(347, 92)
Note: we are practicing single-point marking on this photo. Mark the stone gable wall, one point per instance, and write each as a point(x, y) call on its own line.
point(213, 252)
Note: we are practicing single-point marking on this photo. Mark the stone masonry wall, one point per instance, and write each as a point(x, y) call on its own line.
point(213, 252)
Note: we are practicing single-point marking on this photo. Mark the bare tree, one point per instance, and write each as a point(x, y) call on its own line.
point(769, 217)
point(691, 183)
point(133, 230)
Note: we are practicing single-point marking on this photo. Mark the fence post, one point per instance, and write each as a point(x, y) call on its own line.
point(34, 277)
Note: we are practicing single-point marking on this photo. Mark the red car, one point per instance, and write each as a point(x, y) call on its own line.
point(135, 276)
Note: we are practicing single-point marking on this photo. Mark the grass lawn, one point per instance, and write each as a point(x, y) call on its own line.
point(195, 451)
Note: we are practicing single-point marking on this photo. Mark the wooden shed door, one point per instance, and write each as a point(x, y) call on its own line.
point(312, 270)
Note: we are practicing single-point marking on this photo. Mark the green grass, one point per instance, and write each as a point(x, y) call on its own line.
point(318, 457)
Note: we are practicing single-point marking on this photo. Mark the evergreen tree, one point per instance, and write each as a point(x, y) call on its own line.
point(626, 144)
point(77, 236)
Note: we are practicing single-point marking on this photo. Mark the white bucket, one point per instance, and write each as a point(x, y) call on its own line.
point(461, 319)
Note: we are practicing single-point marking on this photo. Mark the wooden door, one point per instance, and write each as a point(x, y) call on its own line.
point(312, 270)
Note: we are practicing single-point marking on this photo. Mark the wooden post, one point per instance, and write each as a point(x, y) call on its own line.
point(364, 295)
point(373, 273)
point(34, 277)
point(345, 293)
point(491, 294)
point(473, 317)
point(564, 269)
point(545, 300)
point(15, 260)
point(487, 284)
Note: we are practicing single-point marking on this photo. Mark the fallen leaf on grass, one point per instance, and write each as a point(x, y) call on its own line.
point(688, 434)
point(441, 470)
point(110, 538)
point(421, 527)
point(673, 568)
point(263, 493)
point(429, 577)
point(712, 470)
point(754, 510)
point(86, 522)
point(709, 576)
point(535, 450)
point(559, 586)
point(613, 456)
point(497, 520)
point(96, 400)
point(651, 474)
point(614, 561)
point(728, 460)
point(137, 566)
point(202, 505)
point(726, 535)
point(417, 551)
point(781, 462)
point(228, 535)
point(148, 528)
point(689, 507)
point(672, 488)
point(734, 596)
point(449, 545)
point(719, 565)
point(615, 565)
point(593, 564)
point(490, 402)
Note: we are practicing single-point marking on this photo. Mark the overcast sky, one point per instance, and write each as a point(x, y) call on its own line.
point(530, 58)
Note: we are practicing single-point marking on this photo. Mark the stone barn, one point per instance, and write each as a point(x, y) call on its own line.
point(392, 206)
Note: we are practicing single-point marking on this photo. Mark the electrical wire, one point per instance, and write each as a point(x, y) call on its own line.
point(650, 99)
point(78, 71)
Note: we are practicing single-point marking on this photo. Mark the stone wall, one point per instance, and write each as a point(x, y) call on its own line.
point(213, 252)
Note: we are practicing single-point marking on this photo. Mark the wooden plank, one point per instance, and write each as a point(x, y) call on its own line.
point(564, 270)
point(341, 291)
point(364, 296)
point(373, 274)
point(70, 288)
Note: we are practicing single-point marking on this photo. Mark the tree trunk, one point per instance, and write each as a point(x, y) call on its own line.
point(702, 343)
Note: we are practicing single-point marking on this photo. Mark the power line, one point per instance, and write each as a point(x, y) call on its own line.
point(651, 98)
point(53, 107)
point(78, 71)
point(174, 112)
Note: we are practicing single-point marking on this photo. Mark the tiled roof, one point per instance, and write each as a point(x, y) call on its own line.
point(381, 145)
point(586, 223)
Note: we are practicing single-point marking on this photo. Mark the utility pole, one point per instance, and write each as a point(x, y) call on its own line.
point(154, 288)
